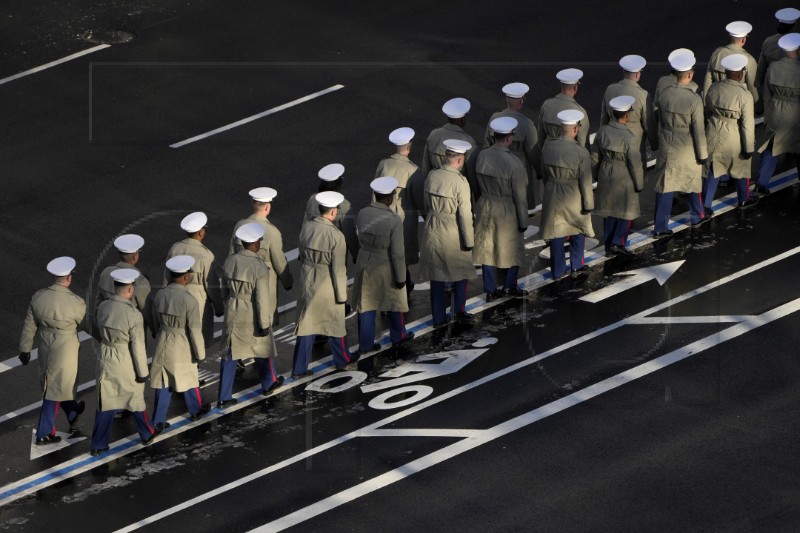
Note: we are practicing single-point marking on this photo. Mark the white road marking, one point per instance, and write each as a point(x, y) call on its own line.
point(41, 451)
point(452, 393)
point(40, 68)
point(712, 319)
point(257, 116)
point(634, 278)
point(482, 437)
point(451, 433)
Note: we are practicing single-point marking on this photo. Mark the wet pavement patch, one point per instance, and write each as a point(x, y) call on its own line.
point(108, 36)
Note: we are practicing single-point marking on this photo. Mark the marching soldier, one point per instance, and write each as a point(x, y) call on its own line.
point(642, 121)
point(770, 51)
point(380, 278)
point(331, 178)
point(121, 363)
point(730, 132)
point(683, 150)
point(670, 79)
point(501, 215)
point(129, 248)
point(526, 141)
point(204, 285)
point(738, 31)
point(550, 126)
point(271, 251)
point(54, 317)
point(249, 305)
point(434, 155)
point(323, 293)
point(179, 344)
point(408, 175)
point(568, 196)
point(448, 239)
point(617, 166)
point(781, 111)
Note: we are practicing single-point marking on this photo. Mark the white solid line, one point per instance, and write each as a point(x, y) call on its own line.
point(258, 116)
point(454, 433)
point(712, 319)
point(53, 63)
point(509, 426)
point(446, 396)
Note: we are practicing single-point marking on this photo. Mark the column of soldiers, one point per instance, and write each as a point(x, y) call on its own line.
point(701, 141)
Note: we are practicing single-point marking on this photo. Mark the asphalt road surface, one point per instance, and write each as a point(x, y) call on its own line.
point(668, 405)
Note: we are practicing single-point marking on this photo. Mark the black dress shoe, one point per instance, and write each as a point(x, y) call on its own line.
point(700, 222)
point(439, 324)
point(492, 296)
point(582, 271)
point(278, 382)
point(163, 426)
point(621, 250)
point(708, 212)
point(204, 409)
point(81, 408)
point(660, 234)
point(465, 318)
point(374, 348)
point(750, 202)
point(516, 292)
point(156, 432)
point(225, 403)
point(49, 439)
point(95, 453)
point(301, 376)
point(762, 190)
point(405, 340)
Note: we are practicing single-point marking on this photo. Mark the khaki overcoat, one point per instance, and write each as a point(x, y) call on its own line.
point(141, 291)
point(434, 154)
point(122, 356)
point(665, 81)
point(502, 208)
point(448, 227)
point(770, 52)
point(716, 72)
point(323, 275)
point(682, 140)
point(568, 195)
point(549, 125)
point(179, 340)
point(617, 166)
point(249, 305)
point(407, 174)
point(204, 284)
point(730, 128)
point(782, 106)
point(345, 221)
point(54, 317)
point(381, 262)
point(642, 122)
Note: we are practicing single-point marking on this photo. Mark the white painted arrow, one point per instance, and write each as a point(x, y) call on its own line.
point(632, 278)
point(41, 450)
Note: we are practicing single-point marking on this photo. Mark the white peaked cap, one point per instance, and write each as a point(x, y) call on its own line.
point(682, 62)
point(180, 264)
point(128, 244)
point(622, 103)
point(734, 62)
point(384, 185)
point(401, 136)
point(458, 146)
point(330, 198)
point(263, 194)
point(61, 266)
point(251, 232)
point(124, 275)
point(503, 124)
point(678, 52)
point(331, 172)
point(632, 63)
point(515, 90)
point(789, 42)
point(570, 116)
point(569, 76)
point(787, 15)
point(456, 107)
point(739, 28)
point(194, 222)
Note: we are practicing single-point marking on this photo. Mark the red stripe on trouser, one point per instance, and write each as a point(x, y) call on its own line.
point(344, 350)
point(199, 398)
point(147, 422)
point(747, 189)
point(271, 369)
point(402, 326)
point(702, 206)
point(55, 415)
point(627, 229)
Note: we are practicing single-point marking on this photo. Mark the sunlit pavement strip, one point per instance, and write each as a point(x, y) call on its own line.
point(506, 427)
point(268, 112)
point(54, 63)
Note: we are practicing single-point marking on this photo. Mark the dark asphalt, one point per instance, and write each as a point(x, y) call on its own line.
point(707, 443)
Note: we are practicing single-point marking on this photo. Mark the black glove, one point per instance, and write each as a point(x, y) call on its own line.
point(637, 190)
point(347, 308)
point(400, 285)
point(24, 357)
point(585, 211)
point(264, 331)
point(522, 230)
point(288, 288)
point(466, 248)
point(702, 161)
point(143, 379)
point(747, 155)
